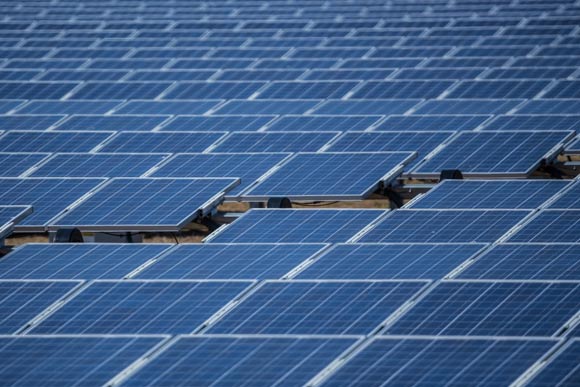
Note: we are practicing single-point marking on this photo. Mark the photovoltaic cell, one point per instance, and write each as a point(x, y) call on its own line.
point(432, 122)
point(570, 199)
point(527, 262)
point(470, 106)
point(230, 261)
point(322, 123)
point(213, 90)
point(443, 226)
point(37, 141)
point(267, 107)
point(558, 226)
point(77, 261)
point(68, 107)
point(550, 106)
point(48, 196)
point(11, 215)
point(112, 123)
point(22, 301)
point(245, 142)
point(366, 107)
point(166, 107)
point(120, 90)
point(489, 194)
point(330, 176)
point(389, 261)
point(68, 360)
point(534, 122)
point(296, 226)
point(495, 153)
point(35, 90)
point(21, 122)
point(247, 166)
point(15, 164)
point(306, 90)
point(562, 370)
point(160, 142)
point(240, 360)
point(416, 361)
point(485, 308)
point(157, 204)
point(155, 307)
point(402, 89)
point(317, 307)
point(498, 89)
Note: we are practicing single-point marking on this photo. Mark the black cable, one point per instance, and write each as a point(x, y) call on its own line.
point(316, 204)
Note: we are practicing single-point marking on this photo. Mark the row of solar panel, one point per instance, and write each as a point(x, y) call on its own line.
point(288, 360)
point(304, 307)
point(313, 261)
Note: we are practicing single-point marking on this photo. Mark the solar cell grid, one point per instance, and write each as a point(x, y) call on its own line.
point(166, 107)
point(225, 123)
point(558, 226)
point(402, 89)
point(119, 90)
point(213, 90)
point(111, 123)
point(160, 142)
point(241, 107)
point(274, 142)
point(15, 164)
point(11, 215)
point(54, 141)
point(458, 106)
point(68, 107)
point(320, 123)
point(561, 370)
point(431, 122)
point(366, 106)
point(35, 90)
point(305, 89)
point(317, 307)
point(534, 122)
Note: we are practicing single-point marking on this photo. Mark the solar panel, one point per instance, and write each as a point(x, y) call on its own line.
point(317, 307)
point(389, 261)
point(489, 194)
point(322, 123)
point(420, 361)
point(561, 370)
point(558, 226)
point(15, 164)
point(402, 89)
point(22, 122)
point(155, 307)
point(432, 122)
point(231, 261)
point(154, 204)
point(443, 226)
point(569, 199)
point(249, 167)
point(160, 142)
point(562, 89)
point(210, 123)
point(8, 105)
point(240, 360)
point(306, 90)
point(69, 360)
point(11, 215)
point(164, 107)
point(550, 106)
point(174, 75)
point(488, 153)
point(267, 107)
point(366, 107)
point(213, 90)
point(82, 75)
point(35, 90)
point(421, 142)
point(245, 142)
point(37, 141)
point(346, 74)
point(470, 106)
point(98, 165)
point(48, 196)
point(112, 123)
point(330, 176)
point(22, 301)
point(527, 262)
point(573, 148)
point(296, 226)
point(530, 73)
point(68, 107)
point(534, 122)
point(120, 90)
point(434, 73)
point(260, 75)
point(77, 261)
point(485, 308)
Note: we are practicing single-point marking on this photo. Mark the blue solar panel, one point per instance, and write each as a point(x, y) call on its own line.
point(366, 107)
point(206, 64)
point(488, 194)
point(15, 164)
point(8, 105)
point(267, 107)
point(112, 123)
point(415, 361)
point(161, 142)
point(35, 90)
point(247, 166)
point(77, 261)
point(68, 107)
point(558, 226)
point(317, 307)
point(389, 261)
point(402, 89)
point(155, 307)
point(11, 215)
point(434, 73)
point(230, 261)
point(69, 360)
point(48, 196)
point(21, 122)
point(421, 142)
point(120, 90)
point(530, 73)
point(82, 75)
point(527, 262)
point(166, 107)
point(155, 204)
point(213, 90)
point(321, 123)
point(436, 226)
point(563, 89)
point(496, 153)
point(330, 52)
point(570, 199)
point(346, 74)
point(296, 226)
point(534, 122)
point(485, 308)
point(36, 141)
point(459, 106)
point(240, 361)
point(22, 301)
point(296, 64)
point(306, 90)
point(210, 123)
point(432, 122)
point(573, 148)
point(274, 142)
point(550, 106)
point(389, 63)
point(331, 176)
point(561, 370)
point(98, 165)
point(260, 75)
point(175, 75)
